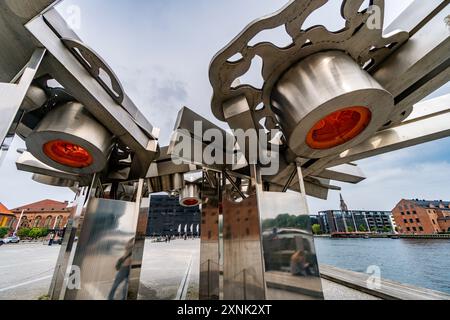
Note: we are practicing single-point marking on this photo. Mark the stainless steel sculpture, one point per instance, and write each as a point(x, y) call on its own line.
point(335, 97)
point(330, 97)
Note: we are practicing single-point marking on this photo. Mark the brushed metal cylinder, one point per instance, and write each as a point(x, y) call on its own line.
point(53, 181)
point(71, 122)
point(34, 99)
point(171, 184)
point(190, 195)
point(320, 85)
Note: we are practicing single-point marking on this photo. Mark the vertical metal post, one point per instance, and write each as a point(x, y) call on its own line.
point(59, 280)
point(209, 288)
point(142, 205)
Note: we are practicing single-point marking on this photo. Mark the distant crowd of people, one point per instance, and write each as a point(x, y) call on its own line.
point(168, 238)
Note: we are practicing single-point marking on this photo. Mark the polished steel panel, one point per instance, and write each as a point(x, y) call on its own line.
point(58, 284)
point(290, 261)
point(209, 286)
point(12, 96)
point(139, 243)
point(319, 86)
point(412, 72)
point(104, 250)
point(243, 274)
point(16, 44)
point(349, 173)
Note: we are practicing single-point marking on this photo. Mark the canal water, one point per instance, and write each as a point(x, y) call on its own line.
point(423, 263)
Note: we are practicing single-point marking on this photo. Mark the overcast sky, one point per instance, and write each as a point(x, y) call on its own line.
point(161, 50)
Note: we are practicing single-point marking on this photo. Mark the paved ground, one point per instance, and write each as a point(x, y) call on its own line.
point(26, 270)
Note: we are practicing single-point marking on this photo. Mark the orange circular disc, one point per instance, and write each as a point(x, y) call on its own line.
point(338, 128)
point(68, 154)
point(190, 202)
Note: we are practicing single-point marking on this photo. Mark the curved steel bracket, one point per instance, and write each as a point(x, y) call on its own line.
point(359, 38)
point(94, 64)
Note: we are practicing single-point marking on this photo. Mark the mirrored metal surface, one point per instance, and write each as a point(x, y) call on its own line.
point(290, 261)
point(66, 253)
point(104, 251)
point(243, 277)
point(138, 249)
point(209, 246)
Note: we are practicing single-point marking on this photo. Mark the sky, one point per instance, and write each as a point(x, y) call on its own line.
point(161, 50)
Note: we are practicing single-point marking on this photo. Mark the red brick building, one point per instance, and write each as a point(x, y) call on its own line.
point(43, 214)
point(6, 217)
point(422, 216)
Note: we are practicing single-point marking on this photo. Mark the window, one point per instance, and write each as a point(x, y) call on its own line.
point(405, 221)
point(420, 229)
point(414, 229)
point(417, 220)
point(411, 220)
point(434, 222)
point(414, 212)
point(403, 213)
point(408, 229)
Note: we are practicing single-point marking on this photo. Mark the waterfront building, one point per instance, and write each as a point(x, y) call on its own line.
point(422, 216)
point(332, 221)
point(168, 217)
point(344, 220)
point(6, 217)
point(49, 214)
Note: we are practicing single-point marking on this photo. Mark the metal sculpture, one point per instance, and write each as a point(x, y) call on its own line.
point(328, 99)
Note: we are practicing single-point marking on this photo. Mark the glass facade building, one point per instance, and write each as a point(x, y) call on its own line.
point(167, 217)
point(332, 221)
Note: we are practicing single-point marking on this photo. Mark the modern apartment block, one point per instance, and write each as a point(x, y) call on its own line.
point(333, 221)
point(345, 220)
point(422, 216)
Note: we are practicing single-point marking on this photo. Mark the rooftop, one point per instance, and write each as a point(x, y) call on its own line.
point(4, 210)
point(431, 203)
point(44, 205)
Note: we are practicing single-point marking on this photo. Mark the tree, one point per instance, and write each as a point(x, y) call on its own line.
point(3, 232)
point(23, 232)
point(362, 228)
point(350, 229)
point(316, 229)
point(38, 233)
point(387, 229)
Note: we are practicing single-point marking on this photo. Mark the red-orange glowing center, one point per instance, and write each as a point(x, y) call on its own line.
point(338, 128)
point(68, 154)
point(190, 202)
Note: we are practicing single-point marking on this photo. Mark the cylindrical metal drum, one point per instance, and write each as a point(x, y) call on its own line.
point(53, 181)
point(68, 138)
point(327, 103)
point(190, 195)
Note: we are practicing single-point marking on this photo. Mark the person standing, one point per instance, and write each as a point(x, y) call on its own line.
point(50, 241)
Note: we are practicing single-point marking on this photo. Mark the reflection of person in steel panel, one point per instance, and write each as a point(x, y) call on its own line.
point(299, 264)
point(123, 267)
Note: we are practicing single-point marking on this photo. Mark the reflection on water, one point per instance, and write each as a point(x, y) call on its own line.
point(424, 263)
